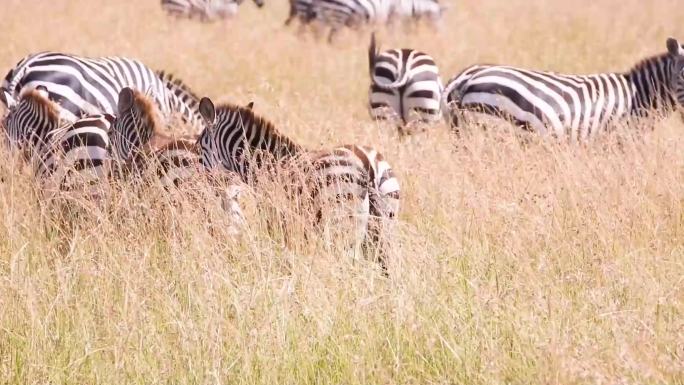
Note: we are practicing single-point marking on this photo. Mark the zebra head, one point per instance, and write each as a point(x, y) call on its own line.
point(136, 120)
point(235, 138)
point(676, 52)
point(31, 119)
point(216, 128)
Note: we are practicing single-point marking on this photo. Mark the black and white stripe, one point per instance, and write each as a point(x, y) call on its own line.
point(205, 10)
point(301, 10)
point(405, 84)
point(29, 120)
point(340, 13)
point(576, 106)
point(142, 150)
point(235, 139)
point(139, 145)
point(83, 86)
point(68, 155)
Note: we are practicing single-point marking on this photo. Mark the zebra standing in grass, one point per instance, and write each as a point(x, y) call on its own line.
point(65, 153)
point(206, 10)
point(236, 139)
point(139, 147)
point(405, 83)
point(576, 106)
point(340, 13)
point(83, 86)
point(137, 141)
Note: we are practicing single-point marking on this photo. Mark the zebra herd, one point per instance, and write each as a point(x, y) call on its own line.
point(405, 85)
point(332, 13)
point(78, 119)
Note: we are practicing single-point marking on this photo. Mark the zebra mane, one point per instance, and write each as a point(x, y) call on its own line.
point(37, 98)
point(372, 53)
point(250, 120)
point(177, 86)
point(147, 109)
point(649, 61)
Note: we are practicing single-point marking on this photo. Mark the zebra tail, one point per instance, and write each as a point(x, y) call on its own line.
point(372, 53)
point(403, 77)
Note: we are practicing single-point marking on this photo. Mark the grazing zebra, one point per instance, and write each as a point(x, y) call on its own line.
point(83, 86)
point(576, 106)
point(139, 146)
point(405, 83)
point(236, 139)
point(137, 141)
point(340, 13)
point(64, 153)
point(206, 10)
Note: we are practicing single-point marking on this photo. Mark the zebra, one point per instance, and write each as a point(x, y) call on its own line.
point(139, 146)
point(66, 154)
point(405, 83)
point(83, 86)
point(206, 10)
point(339, 13)
point(575, 106)
point(236, 139)
point(137, 140)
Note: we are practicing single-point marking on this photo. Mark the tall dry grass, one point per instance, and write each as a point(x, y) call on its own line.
point(515, 262)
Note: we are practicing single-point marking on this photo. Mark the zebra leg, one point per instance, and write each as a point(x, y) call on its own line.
point(332, 34)
point(375, 245)
point(292, 15)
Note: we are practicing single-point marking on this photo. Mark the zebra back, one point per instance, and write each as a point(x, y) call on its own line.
point(83, 86)
point(78, 156)
point(185, 100)
point(573, 106)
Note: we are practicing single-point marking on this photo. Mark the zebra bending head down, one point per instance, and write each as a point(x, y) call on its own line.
point(573, 106)
point(30, 120)
point(405, 84)
point(137, 121)
point(139, 144)
point(65, 155)
point(355, 177)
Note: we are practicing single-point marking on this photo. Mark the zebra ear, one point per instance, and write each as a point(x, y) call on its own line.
point(125, 100)
point(207, 110)
point(250, 105)
point(673, 47)
point(6, 98)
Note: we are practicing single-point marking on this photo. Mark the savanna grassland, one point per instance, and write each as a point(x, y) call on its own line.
point(513, 262)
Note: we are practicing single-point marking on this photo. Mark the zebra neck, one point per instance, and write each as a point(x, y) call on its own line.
point(652, 90)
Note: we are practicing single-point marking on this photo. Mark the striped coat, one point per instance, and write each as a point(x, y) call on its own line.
point(236, 139)
point(574, 106)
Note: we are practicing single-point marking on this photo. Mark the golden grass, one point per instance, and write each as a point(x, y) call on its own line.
point(514, 263)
